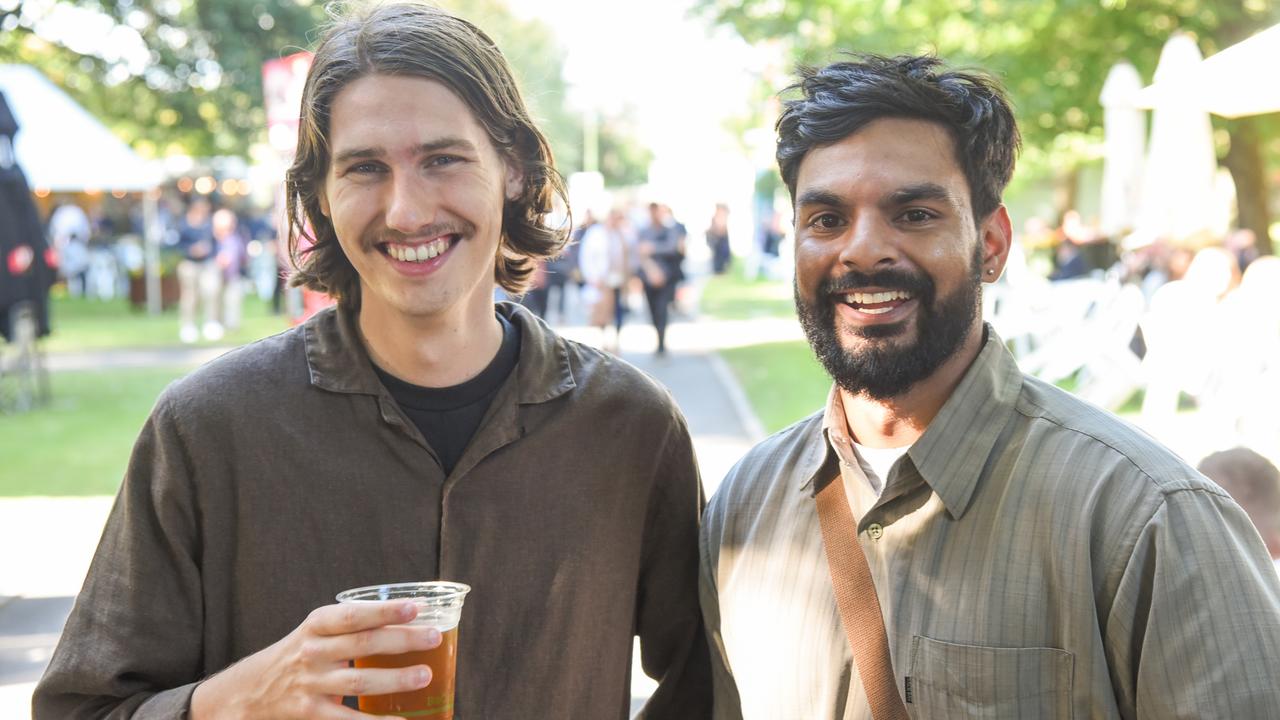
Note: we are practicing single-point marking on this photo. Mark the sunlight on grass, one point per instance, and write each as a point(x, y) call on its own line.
point(79, 444)
point(80, 324)
point(733, 297)
point(782, 380)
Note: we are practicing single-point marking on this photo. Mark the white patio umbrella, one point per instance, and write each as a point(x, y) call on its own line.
point(1233, 83)
point(1240, 80)
point(1178, 200)
point(1124, 144)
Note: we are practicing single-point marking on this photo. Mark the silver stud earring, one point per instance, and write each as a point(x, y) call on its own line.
point(990, 271)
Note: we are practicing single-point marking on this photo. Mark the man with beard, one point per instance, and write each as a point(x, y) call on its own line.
point(1024, 555)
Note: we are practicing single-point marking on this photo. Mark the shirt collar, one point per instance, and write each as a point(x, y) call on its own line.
point(835, 427)
point(821, 461)
point(955, 447)
point(338, 362)
point(953, 450)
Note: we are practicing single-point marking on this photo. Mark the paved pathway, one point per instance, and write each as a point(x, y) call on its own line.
point(55, 537)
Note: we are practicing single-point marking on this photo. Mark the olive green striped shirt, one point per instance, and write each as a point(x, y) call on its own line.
point(1034, 557)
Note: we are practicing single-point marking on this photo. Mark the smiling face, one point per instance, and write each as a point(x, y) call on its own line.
point(415, 191)
point(888, 258)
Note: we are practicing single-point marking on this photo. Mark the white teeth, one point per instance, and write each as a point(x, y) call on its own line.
point(418, 253)
point(877, 298)
point(876, 311)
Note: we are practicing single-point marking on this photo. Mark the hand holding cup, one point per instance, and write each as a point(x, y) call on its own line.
point(306, 673)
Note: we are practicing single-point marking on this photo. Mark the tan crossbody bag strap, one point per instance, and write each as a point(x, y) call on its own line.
point(858, 603)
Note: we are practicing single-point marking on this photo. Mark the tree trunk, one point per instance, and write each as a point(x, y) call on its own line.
point(1245, 162)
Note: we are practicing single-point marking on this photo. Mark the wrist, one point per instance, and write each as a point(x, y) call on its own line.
point(211, 699)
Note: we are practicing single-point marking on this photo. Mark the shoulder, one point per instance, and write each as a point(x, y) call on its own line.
point(607, 379)
point(781, 463)
point(241, 378)
point(1093, 442)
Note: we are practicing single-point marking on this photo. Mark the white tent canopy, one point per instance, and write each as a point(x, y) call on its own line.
point(1236, 82)
point(61, 147)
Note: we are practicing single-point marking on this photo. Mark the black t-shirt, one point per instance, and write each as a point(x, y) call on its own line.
point(448, 417)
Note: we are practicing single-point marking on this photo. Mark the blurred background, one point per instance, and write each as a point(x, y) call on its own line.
point(143, 145)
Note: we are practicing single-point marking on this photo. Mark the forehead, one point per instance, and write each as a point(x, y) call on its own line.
point(884, 155)
point(391, 111)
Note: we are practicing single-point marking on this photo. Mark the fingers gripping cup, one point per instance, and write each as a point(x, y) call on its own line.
point(439, 606)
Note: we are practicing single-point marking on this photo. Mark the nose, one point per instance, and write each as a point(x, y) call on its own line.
point(411, 203)
point(867, 245)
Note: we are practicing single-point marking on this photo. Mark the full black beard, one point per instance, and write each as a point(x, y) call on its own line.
point(885, 370)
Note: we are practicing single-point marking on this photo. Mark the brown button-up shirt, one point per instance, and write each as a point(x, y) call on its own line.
point(282, 473)
point(1034, 557)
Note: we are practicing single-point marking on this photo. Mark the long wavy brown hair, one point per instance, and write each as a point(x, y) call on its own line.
point(417, 40)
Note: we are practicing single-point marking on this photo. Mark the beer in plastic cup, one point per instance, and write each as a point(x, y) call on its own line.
point(439, 606)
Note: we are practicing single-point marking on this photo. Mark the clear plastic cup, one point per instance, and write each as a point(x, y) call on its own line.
point(439, 606)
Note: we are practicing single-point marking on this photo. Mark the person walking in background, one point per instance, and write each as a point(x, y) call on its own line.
point(199, 278)
point(69, 234)
point(1254, 482)
point(659, 252)
point(1004, 549)
point(769, 237)
point(417, 430)
point(718, 240)
point(563, 277)
point(602, 260)
point(231, 259)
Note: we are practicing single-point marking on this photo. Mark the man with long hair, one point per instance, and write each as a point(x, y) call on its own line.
point(417, 431)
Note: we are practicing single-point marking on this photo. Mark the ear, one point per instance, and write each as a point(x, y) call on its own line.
point(514, 181)
point(996, 236)
point(323, 198)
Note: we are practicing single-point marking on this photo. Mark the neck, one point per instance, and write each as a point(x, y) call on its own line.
point(901, 420)
point(431, 351)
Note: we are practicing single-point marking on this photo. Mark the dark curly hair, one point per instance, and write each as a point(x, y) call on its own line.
point(843, 97)
point(417, 40)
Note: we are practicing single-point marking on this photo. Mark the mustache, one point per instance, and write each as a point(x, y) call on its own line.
point(448, 227)
point(917, 284)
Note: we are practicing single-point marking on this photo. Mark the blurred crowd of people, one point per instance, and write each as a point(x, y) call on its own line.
point(213, 255)
point(612, 261)
point(216, 251)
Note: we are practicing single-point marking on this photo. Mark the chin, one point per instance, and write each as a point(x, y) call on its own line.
point(863, 334)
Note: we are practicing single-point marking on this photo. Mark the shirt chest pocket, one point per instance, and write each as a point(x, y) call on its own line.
point(949, 680)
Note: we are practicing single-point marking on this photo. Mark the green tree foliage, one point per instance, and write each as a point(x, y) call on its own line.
point(1052, 55)
point(200, 90)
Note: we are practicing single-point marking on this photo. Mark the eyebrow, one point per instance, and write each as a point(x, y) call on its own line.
point(919, 191)
point(368, 153)
point(819, 197)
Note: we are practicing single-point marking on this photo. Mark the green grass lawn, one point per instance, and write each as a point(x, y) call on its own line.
point(79, 324)
point(79, 444)
point(782, 380)
point(733, 297)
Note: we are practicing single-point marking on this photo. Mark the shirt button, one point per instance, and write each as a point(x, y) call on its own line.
point(875, 531)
